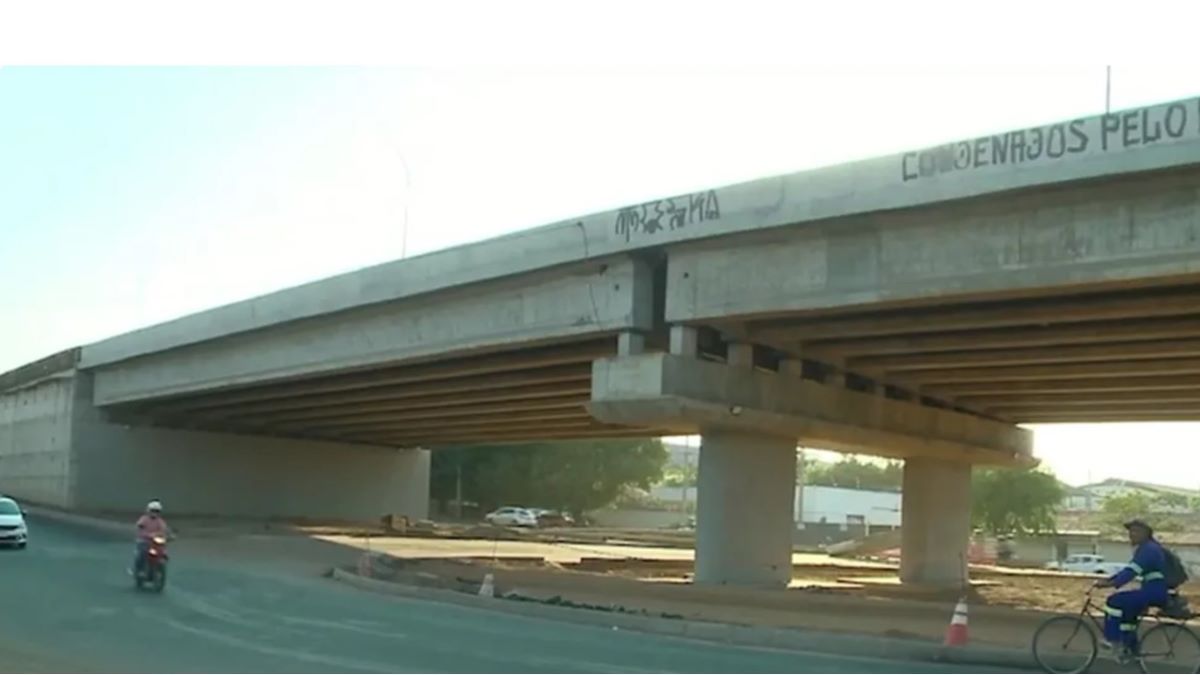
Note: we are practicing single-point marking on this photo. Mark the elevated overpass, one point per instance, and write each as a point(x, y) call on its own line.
point(916, 306)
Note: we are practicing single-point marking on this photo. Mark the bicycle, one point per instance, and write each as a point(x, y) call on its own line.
point(1068, 643)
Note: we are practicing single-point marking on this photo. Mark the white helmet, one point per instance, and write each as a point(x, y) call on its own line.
point(154, 506)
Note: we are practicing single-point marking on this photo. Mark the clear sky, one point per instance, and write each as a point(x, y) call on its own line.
point(130, 196)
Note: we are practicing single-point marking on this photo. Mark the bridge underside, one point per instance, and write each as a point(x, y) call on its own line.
point(526, 395)
point(1104, 353)
point(1113, 354)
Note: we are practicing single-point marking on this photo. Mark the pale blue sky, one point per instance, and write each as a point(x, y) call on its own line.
point(129, 196)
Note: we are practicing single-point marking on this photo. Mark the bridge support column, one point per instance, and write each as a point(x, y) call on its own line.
point(936, 522)
point(744, 511)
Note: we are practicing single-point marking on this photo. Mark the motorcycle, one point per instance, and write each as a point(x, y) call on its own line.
point(152, 570)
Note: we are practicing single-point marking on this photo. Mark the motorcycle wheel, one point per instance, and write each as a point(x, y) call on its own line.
point(160, 578)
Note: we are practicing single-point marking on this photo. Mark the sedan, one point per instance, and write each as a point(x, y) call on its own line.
point(13, 531)
point(512, 516)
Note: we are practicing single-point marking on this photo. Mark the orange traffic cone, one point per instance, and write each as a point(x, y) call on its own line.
point(956, 632)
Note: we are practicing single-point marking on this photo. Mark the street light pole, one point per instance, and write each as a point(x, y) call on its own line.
point(1107, 89)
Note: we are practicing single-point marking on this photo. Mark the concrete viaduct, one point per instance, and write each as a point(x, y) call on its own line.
point(917, 306)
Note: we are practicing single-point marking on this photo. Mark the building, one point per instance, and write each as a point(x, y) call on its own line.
point(1091, 497)
point(819, 504)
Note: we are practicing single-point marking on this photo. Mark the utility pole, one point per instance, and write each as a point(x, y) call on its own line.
point(458, 510)
point(687, 471)
point(1107, 89)
point(800, 488)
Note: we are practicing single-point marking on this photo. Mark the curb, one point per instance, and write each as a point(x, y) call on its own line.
point(92, 522)
point(724, 633)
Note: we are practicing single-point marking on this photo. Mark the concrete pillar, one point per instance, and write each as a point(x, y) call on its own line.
point(744, 509)
point(793, 367)
point(685, 340)
point(630, 343)
point(936, 518)
point(740, 354)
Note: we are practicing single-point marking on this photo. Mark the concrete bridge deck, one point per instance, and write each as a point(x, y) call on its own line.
point(960, 276)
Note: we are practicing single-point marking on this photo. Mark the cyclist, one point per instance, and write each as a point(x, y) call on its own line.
point(1123, 608)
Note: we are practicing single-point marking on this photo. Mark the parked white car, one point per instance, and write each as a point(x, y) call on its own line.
point(512, 516)
point(1086, 563)
point(13, 531)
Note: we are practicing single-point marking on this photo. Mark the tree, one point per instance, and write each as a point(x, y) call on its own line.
point(852, 472)
point(1120, 509)
point(1008, 501)
point(573, 476)
point(681, 476)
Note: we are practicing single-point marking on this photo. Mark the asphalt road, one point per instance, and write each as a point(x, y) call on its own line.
point(66, 604)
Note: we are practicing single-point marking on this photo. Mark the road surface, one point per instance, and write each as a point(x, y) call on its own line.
point(69, 606)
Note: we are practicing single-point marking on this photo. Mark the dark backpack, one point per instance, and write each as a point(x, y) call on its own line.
point(1174, 572)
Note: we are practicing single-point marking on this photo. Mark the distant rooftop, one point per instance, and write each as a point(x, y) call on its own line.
point(1142, 485)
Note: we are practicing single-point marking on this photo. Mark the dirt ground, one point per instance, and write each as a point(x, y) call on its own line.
point(1014, 587)
point(827, 593)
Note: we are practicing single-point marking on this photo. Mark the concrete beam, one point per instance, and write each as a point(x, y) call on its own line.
point(1095, 417)
point(573, 389)
point(1072, 387)
point(1019, 411)
point(1083, 399)
point(982, 316)
point(494, 364)
point(531, 435)
point(662, 390)
point(1052, 372)
point(1009, 338)
point(429, 431)
point(495, 317)
point(567, 375)
point(1124, 234)
point(1000, 357)
point(457, 416)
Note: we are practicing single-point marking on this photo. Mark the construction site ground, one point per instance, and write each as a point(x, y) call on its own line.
point(827, 593)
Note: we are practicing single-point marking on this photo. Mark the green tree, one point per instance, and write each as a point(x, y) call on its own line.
point(680, 476)
point(1120, 509)
point(1007, 501)
point(852, 472)
point(573, 476)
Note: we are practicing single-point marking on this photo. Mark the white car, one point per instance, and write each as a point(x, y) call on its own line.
point(1086, 563)
point(512, 516)
point(13, 531)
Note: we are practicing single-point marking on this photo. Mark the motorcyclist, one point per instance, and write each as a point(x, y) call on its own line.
point(150, 525)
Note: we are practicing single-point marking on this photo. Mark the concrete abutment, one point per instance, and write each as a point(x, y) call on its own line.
point(57, 449)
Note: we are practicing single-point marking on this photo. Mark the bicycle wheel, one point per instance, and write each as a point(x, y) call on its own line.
point(1169, 648)
point(1065, 644)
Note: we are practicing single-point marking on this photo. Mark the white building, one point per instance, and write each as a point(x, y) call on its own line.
point(847, 506)
point(818, 504)
point(1091, 497)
